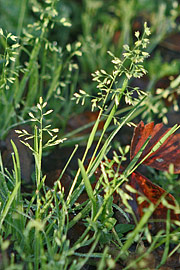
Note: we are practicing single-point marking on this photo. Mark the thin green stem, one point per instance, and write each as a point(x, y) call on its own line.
point(107, 123)
point(39, 161)
point(21, 17)
point(92, 135)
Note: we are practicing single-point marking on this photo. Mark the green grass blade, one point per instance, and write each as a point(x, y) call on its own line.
point(82, 263)
point(131, 236)
point(130, 167)
point(92, 135)
point(80, 215)
point(16, 163)
point(33, 58)
point(8, 204)
point(33, 88)
point(167, 242)
point(113, 111)
point(88, 186)
point(158, 144)
point(55, 81)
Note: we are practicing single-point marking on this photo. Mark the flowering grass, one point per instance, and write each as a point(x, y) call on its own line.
point(44, 79)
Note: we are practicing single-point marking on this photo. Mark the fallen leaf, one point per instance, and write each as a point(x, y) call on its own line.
point(168, 153)
point(83, 119)
point(153, 193)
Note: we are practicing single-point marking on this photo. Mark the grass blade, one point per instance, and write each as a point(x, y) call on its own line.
point(8, 205)
point(88, 187)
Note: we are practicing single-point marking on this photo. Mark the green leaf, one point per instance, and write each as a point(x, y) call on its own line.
point(124, 228)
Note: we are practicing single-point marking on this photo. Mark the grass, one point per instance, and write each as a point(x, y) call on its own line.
point(47, 58)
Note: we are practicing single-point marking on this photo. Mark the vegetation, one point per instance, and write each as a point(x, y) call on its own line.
point(77, 77)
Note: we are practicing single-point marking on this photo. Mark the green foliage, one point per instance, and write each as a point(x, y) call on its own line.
point(24, 81)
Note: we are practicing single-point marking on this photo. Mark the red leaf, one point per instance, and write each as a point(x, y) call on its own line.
point(153, 193)
point(167, 153)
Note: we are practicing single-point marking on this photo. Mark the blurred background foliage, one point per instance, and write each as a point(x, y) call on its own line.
point(78, 38)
